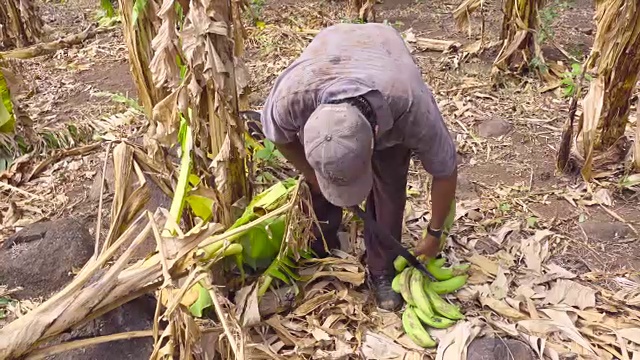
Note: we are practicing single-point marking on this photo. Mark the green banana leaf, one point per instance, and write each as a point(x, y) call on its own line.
point(201, 206)
point(107, 7)
point(261, 244)
point(7, 119)
point(179, 196)
point(266, 201)
point(204, 301)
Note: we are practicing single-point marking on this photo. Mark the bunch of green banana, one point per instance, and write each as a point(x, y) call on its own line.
point(424, 304)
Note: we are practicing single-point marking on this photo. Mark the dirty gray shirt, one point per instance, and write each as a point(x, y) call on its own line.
point(372, 60)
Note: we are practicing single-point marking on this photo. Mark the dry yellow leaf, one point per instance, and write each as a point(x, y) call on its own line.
point(631, 334)
point(314, 303)
point(500, 286)
point(502, 308)
point(546, 326)
point(571, 293)
point(485, 264)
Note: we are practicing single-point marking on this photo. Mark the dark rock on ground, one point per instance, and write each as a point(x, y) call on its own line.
point(132, 316)
point(494, 128)
point(498, 349)
point(41, 257)
point(605, 231)
point(466, 188)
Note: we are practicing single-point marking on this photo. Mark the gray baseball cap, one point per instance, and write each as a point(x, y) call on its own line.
point(338, 143)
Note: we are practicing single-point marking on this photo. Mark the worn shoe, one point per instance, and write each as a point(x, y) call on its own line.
point(386, 298)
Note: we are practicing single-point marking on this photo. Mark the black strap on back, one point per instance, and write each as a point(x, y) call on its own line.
point(363, 105)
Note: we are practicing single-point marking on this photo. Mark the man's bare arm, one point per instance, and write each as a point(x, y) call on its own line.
point(443, 191)
point(294, 153)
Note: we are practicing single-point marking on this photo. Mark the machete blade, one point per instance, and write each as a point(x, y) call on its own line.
point(392, 242)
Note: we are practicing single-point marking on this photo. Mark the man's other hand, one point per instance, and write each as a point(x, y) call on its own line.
point(429, 246)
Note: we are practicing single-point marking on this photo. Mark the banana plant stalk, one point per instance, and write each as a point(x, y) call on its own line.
point(177, 203)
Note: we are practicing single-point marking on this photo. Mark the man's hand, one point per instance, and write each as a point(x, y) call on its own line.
point(429, 246)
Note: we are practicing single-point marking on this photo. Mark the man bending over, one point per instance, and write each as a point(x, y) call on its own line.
point(348, 114)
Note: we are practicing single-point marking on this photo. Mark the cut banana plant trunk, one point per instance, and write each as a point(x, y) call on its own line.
point(364, 10)
point(208, 100)
point(140, 26)
point(601, 140)
point(20, 24)
point(519, 47)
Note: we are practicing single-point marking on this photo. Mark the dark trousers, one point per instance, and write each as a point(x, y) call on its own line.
point(385, 203)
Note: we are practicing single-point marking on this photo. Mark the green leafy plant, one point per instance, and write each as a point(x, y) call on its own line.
point(107, 7)
point(7, 119)
point(106, 15)
point(630, 181)
point(138, 7)
point(569, 78)
point(268, 152)
point(3, 304)
point(547, 16)
point(257, 9)
point(538, 65)
point(259, 247)
point(532, 221)
point(121, 99)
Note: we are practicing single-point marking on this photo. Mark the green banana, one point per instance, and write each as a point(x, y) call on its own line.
point(418, 295)
point(415, 330)
point(400, 263)
point(405, 289)
point(441, 273)
point(448, 286)
point(434, 321)
point(395, 284)
point(442, 307)
point(460, 269)
point(439, 262)
point(230, 249)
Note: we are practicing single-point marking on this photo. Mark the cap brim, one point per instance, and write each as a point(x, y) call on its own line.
point(347, 195)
